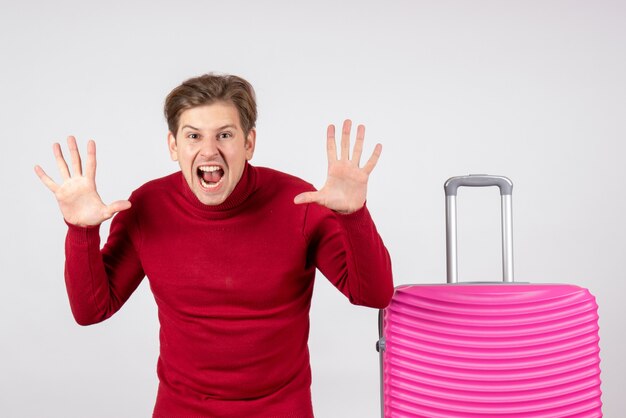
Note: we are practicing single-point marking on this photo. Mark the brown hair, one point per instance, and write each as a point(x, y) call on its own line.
point(208, 89)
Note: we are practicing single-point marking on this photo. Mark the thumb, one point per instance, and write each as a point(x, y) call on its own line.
point(307, 197)
point(117, 206)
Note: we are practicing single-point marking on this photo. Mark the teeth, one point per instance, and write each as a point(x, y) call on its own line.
point(209, 168)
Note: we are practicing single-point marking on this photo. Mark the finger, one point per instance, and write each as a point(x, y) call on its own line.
point(77, 167)
point(58, 155)
point(371, 163)
point(307, 197)
point(358, 144)
point(45, 179)
point(331, 144)
point(345, 139)
point(90, 164)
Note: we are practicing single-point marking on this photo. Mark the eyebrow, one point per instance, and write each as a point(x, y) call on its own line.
point(231, 126)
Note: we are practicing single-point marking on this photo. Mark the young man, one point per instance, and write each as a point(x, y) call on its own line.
point(230, 251)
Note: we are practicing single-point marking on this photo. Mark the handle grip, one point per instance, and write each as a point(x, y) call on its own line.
point(478, 180)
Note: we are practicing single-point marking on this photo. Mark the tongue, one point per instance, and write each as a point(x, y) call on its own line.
point(213, 176)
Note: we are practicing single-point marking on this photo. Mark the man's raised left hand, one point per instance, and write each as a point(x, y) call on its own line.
point(345, 190)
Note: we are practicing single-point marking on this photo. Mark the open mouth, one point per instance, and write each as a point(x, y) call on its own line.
point(210, 176)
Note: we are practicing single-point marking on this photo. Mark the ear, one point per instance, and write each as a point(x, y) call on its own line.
point(171, 143)
point(250, 144)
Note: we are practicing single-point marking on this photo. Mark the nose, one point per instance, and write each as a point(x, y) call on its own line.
point(209, 148)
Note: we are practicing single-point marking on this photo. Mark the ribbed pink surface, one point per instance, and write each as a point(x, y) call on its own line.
point(491, 350)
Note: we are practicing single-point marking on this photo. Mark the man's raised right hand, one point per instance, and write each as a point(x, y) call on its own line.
point(78, 199)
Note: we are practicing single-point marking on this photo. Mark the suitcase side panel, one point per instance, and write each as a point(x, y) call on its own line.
point(510, 350)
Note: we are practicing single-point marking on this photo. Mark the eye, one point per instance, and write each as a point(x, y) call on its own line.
point(225, 135)
point(193, 136)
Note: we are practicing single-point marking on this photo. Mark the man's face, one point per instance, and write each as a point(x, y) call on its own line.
point(211, 149)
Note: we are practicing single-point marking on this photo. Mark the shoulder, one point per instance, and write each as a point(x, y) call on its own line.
point(274, 179)
point(157, 188)
point(275, 191)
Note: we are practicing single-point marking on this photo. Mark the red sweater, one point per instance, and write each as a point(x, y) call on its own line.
point(233, 286)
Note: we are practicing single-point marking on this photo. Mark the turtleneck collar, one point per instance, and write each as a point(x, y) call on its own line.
point(240, 193)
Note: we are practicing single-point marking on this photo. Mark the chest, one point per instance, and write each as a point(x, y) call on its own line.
point(256, 261)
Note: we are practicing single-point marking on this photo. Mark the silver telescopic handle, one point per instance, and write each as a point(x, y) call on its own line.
point(506, 192)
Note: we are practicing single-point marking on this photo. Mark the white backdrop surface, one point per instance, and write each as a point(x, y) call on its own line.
point(534, 90)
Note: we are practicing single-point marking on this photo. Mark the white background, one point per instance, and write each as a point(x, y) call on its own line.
point(534, 90)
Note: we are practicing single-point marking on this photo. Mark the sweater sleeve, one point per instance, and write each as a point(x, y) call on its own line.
point(349, 252)
point(100, 281)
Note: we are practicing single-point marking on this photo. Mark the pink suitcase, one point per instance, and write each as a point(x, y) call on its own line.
point(468, 350)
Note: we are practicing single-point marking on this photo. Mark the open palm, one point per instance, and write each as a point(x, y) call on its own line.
point(77, 196)
point(345, 190)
